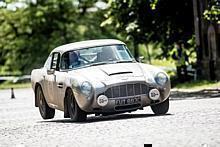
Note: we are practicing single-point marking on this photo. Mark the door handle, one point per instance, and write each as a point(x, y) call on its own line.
point(60, 85)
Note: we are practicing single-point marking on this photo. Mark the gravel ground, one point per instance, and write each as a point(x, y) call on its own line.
point(190, 122)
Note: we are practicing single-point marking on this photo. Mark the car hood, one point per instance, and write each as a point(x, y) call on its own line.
point(112, 73)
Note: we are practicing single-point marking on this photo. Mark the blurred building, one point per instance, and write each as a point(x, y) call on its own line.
point(208, 43)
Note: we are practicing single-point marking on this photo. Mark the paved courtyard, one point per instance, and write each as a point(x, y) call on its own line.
point(190, 122)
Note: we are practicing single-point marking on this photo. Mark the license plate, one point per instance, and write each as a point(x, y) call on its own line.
point(128, 101)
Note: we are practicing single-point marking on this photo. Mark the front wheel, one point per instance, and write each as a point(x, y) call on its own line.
point(45, 111)
point(76, 114)
point(161, 108)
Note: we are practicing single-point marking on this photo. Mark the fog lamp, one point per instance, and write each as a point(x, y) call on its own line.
point(154, 94)
point(102, 100)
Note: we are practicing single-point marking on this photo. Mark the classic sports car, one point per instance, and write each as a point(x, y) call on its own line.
point(97, 77)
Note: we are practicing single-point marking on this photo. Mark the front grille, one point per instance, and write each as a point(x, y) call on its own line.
point(126, 90)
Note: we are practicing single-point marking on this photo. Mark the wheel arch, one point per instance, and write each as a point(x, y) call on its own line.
point(66, 112)
point(35, 94)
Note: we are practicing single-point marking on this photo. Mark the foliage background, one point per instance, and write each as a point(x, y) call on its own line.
point(28, 33)
point(30, 29)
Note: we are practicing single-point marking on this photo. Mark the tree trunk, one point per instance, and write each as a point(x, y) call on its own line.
point(136, 51)
point(148, 54)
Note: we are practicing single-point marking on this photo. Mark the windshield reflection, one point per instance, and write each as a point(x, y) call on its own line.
point(96, 56)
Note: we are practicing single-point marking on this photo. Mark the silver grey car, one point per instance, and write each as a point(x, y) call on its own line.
point(97, 77)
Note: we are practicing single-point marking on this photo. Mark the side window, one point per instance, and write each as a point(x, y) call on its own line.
point(70, 60)
point(55, 61)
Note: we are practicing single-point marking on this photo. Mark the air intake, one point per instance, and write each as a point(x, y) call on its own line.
point(118, 73)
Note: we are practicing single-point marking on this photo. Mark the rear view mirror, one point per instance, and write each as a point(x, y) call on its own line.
point(50, 71)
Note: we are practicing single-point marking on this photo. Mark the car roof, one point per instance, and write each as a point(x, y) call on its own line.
point(86, 44)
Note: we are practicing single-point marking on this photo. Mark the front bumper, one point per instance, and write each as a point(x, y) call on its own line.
point(123, 103)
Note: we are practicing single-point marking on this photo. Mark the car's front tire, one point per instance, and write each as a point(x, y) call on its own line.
point(45, 111)
point(76, 114)
point(161, 108)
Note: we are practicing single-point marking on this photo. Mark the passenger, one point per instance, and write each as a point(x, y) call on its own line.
point(106, 54)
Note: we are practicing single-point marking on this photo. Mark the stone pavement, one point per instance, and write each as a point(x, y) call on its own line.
point(190, 122)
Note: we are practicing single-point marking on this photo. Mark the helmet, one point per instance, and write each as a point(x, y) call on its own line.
point(73, 58)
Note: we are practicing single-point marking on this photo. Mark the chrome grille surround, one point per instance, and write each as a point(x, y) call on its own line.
point(127, 90)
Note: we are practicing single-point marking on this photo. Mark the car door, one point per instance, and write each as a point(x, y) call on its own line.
point(60, 88)
point(50, 80)
point(61, 80)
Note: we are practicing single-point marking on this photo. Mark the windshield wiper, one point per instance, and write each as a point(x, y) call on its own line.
point(102, 63)
point(124, 61)
point(99, 63)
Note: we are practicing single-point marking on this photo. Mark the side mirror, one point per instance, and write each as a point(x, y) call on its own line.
point(140, 59)
point(50, 71)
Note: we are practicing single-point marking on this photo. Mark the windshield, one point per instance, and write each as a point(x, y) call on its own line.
point(96, 56)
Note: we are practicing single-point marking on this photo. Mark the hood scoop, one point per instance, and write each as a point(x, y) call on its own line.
point(115, 70)
point(118, 73)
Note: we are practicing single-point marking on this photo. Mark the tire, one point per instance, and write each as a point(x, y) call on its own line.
point(76, 114)
point(161, 108)
point(45, 111)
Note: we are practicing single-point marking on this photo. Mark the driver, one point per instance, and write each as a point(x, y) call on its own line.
point(73, 59)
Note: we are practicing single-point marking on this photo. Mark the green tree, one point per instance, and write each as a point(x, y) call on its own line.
point(213, 12)
point(28, 33)
point(157, 21)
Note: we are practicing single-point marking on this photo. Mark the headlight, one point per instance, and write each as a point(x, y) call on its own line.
point(86, 88)
point(161, 78)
